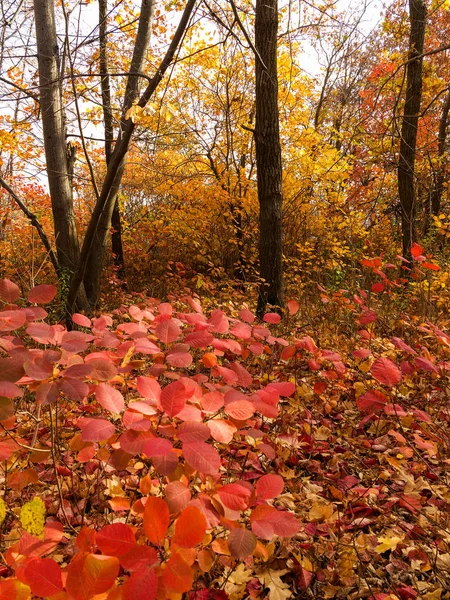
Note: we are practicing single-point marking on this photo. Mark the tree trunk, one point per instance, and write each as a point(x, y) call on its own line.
point(268, 156)
point(94, 267)
point(438, 187)
point(406, 165)
point(67, 247)
point(116, 237)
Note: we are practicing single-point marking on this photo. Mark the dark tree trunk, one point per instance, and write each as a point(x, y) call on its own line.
point(268, 156)
point(116, 222)
point(406, 165)
point(438, 187)
point(59, 177)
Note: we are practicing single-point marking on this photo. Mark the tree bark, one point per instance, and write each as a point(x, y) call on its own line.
point(438, 188)
point(268, 156)
point(67, 247)
point(407, 158)
point(94, 266)
point(116, 222)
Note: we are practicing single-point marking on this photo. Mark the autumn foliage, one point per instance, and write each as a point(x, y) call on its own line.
point(163, 450)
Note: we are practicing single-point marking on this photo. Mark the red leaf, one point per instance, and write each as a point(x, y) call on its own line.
point(241, 543)
point(416, 250)
point(267, 521)
point(12, 319)
point(74, 389)
point(173, 398)
point(115, 539)
point(243, 376)
point(102, 369)
point(269, 487)
point(95, 430)
point(235, 496)
point(371, 402)
point(42, 294)
point(229, 376)
point(240, 410)
point(178, 576)
point(81, 320)
point(271, 318)
point(166, 465)
point(142, 585)
point(190, 528)
point(167, 331)
point(202, 457)
point(177, 496)
point(212, 402)
point(11, 390)
point(378, 287)
point(149, 388)
point(222, 430)
point(199, 339)
point(157, 447)
point(110, 398)
point(246, 315)
point(242, 331)
point(9, 291)
point(138, 557)
point(368, 316)
point(431, 266)
point(178, 356)
point(156, 519)
point(43, 333)
point(284, 388)
point(190, 431)
point(386, 372)
point(76, 341)
point(43, 575)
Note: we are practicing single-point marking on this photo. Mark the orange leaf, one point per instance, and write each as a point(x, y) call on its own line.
point(90, 575)
point(190, 527)
point(178, 576)
point(156, 519)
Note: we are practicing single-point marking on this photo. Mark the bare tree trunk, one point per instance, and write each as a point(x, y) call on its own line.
point(268, 156)
point(67, 247)
point(116, 222)
point(94, 267)
point(406, 165)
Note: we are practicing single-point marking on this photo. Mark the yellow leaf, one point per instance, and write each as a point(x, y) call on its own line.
point(320, 512)
point(388, 543)
point(32, 516)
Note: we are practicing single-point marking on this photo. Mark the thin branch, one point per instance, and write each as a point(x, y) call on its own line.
point(247, 37)
point(21, 89)
point(77, 107)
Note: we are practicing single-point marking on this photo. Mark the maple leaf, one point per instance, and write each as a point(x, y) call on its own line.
point(272, 580)
point(388, 543)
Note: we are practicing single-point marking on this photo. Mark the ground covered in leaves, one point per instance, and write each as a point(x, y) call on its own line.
point(170, 451)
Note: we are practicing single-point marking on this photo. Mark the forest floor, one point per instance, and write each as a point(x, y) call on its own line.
point(185, 450)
